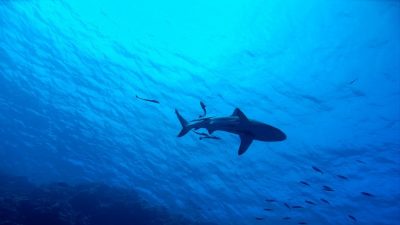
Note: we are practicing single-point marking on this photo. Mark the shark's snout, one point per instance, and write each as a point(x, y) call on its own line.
point(280, 135)
point(270, 133)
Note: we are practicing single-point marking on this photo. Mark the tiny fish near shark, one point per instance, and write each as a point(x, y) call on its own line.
point(148, 100)
point(206, 136)
point(203, 106)
point(210, 137)
point(237, 123)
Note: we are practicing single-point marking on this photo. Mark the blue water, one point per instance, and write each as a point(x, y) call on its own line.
point(327, 73)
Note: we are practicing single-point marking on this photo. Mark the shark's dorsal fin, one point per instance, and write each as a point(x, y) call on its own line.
point(240, 114)
point(245, 142)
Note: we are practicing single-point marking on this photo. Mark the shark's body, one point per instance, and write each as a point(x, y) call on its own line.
point(237, 123)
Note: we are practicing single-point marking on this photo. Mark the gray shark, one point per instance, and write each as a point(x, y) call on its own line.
point(237, 123)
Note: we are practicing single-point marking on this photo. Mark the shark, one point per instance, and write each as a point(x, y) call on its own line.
point(237, 123)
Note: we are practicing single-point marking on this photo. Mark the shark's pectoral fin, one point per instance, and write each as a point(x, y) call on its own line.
point(240, 114)
point(210, 131)
point(245, 142)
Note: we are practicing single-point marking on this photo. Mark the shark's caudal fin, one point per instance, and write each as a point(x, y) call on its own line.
point(184, 124)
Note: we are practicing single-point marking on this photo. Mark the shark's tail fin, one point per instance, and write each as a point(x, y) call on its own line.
point(184, 124)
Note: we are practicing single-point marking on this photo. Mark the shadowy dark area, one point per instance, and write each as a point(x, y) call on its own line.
point(24, 203)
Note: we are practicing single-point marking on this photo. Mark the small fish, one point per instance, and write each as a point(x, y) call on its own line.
point(342, 177)
point(353, 81)
point(305, 183)
point(210, 137)
point(352, 218)
point(203, 106)
point(268, 209)
point(325, 201)
point(367, 194)
point(201, 119)
point(327, 188)
point(201, 133)
point(359, 161)
point(259, 218)
point(309, 202)
point(270, 200)
point(287, 205)
point(287, 218)
point(205, 136)
point(148, 100)
point(251, 54)
point(297, 207)
point(317, 169)
point(302, 223)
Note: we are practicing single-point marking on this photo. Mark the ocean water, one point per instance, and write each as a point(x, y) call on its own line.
point(78, 147)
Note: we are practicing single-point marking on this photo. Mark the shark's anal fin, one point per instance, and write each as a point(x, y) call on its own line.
point(240, 114)
point(245, 142)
